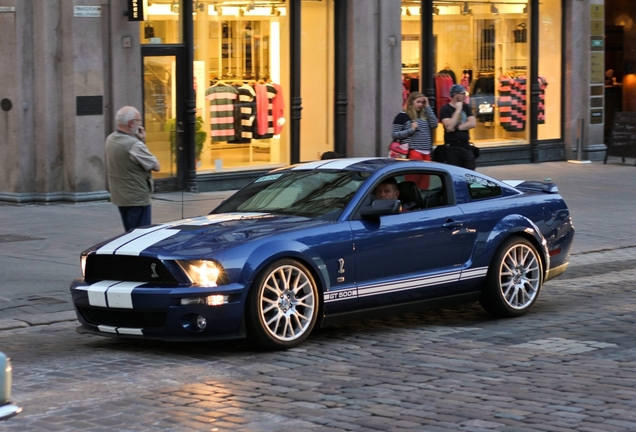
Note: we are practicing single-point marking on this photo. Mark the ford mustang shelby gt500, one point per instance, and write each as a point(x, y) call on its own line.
point(311, 244)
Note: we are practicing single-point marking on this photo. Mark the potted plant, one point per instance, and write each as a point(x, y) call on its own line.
point(199, 136)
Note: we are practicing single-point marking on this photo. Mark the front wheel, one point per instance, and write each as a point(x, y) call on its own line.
point(282, 305)
point(514, 279)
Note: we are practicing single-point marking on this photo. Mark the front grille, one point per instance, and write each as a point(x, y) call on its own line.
point(128, 269)
point(123, 318)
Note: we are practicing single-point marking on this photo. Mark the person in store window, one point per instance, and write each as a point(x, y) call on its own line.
point(457, 118)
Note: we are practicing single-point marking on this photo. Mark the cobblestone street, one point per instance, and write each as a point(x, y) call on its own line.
point(569, 365)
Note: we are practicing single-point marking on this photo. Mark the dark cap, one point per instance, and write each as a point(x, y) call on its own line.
point(457, 89)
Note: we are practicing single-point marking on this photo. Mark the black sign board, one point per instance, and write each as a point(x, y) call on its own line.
point(136, 10)
point(623, 140)
point(89, 105)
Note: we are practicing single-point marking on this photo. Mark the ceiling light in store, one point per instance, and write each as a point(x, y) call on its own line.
point(200, 6)
point(174, 7)
point(250, 6)
point(435, 10)
point(241, 12)
point(217, 9)
point(525, 9)
point(273, 11)
point(408, 12)
point(466, 9)
point(493, 9)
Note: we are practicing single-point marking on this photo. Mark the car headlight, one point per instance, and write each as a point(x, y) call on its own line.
point(83, 264)
point(205, 273)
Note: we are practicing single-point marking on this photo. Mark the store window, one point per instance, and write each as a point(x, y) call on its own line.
point(317, 79)
point(485, 46)
point(550, 49)
point(240, 55)
point(164, 23)
point(239, 85)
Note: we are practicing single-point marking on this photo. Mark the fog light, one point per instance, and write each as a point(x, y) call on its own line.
point(216, 300)
point(201, 322)
point(213, 300)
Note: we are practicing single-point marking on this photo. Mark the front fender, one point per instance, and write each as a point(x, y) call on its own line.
point(268, 252)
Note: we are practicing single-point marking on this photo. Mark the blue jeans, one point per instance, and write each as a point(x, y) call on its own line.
point(135, 216)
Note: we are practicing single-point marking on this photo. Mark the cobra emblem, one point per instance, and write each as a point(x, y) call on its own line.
point(341, 269)
point(153, 267)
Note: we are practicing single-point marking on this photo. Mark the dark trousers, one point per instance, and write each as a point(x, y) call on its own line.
point(460, 155)
point(135, 216)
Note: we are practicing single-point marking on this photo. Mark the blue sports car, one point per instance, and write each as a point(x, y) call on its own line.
point(313, 244)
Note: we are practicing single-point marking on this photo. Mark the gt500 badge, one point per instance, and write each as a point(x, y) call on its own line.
point(341, 295)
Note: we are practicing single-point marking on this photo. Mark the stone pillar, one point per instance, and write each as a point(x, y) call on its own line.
point(52, 55)
point(374, 44)
point(577, 88)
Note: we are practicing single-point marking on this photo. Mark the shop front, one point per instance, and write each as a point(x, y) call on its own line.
point(508, 56)
point(246, 72)
point(259, 67)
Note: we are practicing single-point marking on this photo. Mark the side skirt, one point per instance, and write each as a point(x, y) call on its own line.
point(419, 306)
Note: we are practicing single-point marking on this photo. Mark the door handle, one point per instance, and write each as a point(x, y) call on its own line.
point(453, 224)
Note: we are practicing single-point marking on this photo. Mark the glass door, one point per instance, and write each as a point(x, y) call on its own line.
point(162, 112)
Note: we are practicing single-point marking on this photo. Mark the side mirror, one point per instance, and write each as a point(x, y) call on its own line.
point(381, 207)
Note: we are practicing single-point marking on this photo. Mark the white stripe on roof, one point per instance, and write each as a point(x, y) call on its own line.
point(332, 163)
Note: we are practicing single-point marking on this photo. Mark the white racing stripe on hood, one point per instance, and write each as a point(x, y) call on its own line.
point(135, 247)
point(134, 242)
point(110, 248)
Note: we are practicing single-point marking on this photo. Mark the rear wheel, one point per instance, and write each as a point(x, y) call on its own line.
point(514, 279)
point(282, 305)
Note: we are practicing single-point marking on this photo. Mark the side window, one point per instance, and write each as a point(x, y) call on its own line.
point(480, 188)
point(421, 191)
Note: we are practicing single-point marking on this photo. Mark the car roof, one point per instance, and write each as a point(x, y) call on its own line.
point(369, 164)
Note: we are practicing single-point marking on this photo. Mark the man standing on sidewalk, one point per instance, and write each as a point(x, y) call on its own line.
point(129, 164)
point(457, 118)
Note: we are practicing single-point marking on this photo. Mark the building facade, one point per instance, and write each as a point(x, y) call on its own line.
point(231, 89)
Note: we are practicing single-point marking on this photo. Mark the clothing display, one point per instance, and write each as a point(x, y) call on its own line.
point(512, 103)
point(443, 82)
point(483, 97)
point(222, 122)
point(265, 94)
point(242, 112)
point(543, 83)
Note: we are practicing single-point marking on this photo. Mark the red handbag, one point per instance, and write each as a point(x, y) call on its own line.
point(398, 150)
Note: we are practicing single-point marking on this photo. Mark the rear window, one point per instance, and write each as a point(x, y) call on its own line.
point(481, 188)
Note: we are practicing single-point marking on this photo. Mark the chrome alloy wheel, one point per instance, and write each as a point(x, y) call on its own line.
point(287, 303)
point(520, 276)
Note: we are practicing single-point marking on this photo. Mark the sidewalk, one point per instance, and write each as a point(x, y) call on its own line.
point(40, 244)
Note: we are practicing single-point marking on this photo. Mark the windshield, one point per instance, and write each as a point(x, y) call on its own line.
point(314, 193)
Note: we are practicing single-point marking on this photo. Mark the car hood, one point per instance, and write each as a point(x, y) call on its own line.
point(198, 237)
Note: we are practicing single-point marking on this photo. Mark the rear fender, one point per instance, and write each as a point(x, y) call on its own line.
point(514, 225)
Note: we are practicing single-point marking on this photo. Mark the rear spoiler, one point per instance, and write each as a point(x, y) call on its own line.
point(533, 186)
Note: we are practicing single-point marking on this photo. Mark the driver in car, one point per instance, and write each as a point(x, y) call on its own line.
point(388, 189)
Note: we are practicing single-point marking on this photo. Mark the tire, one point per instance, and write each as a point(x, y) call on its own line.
point(514, 279)
point(282, 305)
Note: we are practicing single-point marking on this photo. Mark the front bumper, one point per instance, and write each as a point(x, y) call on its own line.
point(142, 311)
